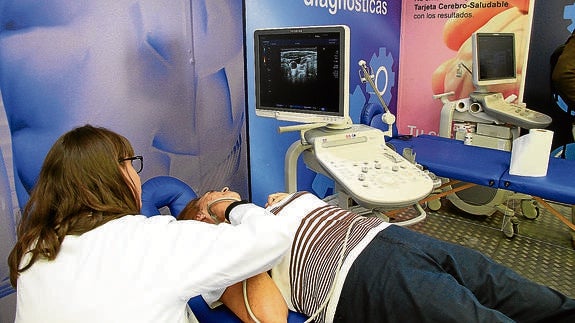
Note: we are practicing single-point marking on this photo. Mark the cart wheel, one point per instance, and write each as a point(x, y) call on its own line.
point(511, 227)
point(434, 205)
point(529, 209)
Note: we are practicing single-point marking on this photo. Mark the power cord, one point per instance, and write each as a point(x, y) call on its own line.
point(331, 289)
point(248, 307)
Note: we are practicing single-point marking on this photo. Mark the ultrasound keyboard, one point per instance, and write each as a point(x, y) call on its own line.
point(373, 174)
point(494, 105)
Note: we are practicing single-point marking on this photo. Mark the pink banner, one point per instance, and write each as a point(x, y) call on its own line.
point(436, 43)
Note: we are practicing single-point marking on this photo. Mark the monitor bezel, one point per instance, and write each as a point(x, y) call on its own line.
point(341, 117)
point(479, 82)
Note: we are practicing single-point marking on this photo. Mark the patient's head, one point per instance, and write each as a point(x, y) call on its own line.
point(210, 207)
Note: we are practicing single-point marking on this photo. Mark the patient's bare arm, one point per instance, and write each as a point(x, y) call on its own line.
point(265, 300)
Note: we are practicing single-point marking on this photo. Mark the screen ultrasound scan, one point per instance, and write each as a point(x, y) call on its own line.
point(301, 73)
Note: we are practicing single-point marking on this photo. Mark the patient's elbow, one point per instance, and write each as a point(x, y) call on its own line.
point(270, 314)
point(264, 299)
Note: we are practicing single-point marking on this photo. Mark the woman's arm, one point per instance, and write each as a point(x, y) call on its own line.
point(264, 298)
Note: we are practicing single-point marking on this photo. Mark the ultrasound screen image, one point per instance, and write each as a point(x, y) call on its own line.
point(300, 72)
point(299, 66)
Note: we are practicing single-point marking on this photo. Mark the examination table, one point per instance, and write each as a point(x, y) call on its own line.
point(453, 159)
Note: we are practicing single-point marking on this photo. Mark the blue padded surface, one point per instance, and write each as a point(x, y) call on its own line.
point(205, 314)
point(222, 314)
point(558, 185)
point(450, 158)
point(169, 191)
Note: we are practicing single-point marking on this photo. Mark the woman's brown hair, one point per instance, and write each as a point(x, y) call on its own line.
point(80, 187)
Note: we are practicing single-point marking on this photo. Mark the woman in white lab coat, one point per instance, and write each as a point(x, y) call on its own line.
point(84, 254)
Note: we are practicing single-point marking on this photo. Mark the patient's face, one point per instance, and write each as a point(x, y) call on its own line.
point(199, 211)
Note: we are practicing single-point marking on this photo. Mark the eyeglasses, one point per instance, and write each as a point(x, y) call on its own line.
point(137, 162)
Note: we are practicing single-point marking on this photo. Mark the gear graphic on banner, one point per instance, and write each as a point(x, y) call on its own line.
point(381, 65)
point(569, 14)
point(384, 78)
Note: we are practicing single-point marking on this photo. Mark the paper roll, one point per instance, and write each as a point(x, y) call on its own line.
point(462, 105)
point(530, 153)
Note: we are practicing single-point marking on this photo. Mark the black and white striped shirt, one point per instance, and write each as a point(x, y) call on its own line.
point(317, 250)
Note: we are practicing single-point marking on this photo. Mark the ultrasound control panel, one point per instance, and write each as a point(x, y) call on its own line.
point(493, 104)
point(367, 169)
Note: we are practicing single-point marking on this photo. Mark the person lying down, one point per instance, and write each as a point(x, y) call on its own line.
point(344, 267)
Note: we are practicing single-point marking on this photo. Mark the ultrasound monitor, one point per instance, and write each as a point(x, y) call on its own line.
point(302, 74)
point(494, 60)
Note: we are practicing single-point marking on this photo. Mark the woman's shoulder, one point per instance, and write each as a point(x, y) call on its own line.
point(135, 223)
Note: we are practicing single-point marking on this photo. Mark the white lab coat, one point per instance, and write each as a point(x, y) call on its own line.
point(138, 269)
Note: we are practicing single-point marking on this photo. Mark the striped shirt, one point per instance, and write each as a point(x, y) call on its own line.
point(321, 248)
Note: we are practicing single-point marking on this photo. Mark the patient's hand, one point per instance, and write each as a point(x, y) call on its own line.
point(275, 198)
point(264, 298)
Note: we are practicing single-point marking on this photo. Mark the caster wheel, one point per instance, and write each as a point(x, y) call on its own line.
point(510, 227)
point(434, 205)
point(529, 209)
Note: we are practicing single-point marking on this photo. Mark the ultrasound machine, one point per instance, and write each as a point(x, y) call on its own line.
point(493, 63)
point(487, 119)
point(302, 76)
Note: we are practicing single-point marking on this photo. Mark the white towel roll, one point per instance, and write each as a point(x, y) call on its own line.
point(530, 153)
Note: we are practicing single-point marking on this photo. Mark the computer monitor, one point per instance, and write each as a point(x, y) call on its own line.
point(494, 60)
point(302, 74)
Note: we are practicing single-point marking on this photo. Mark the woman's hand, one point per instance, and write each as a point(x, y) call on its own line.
point(275, 198)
